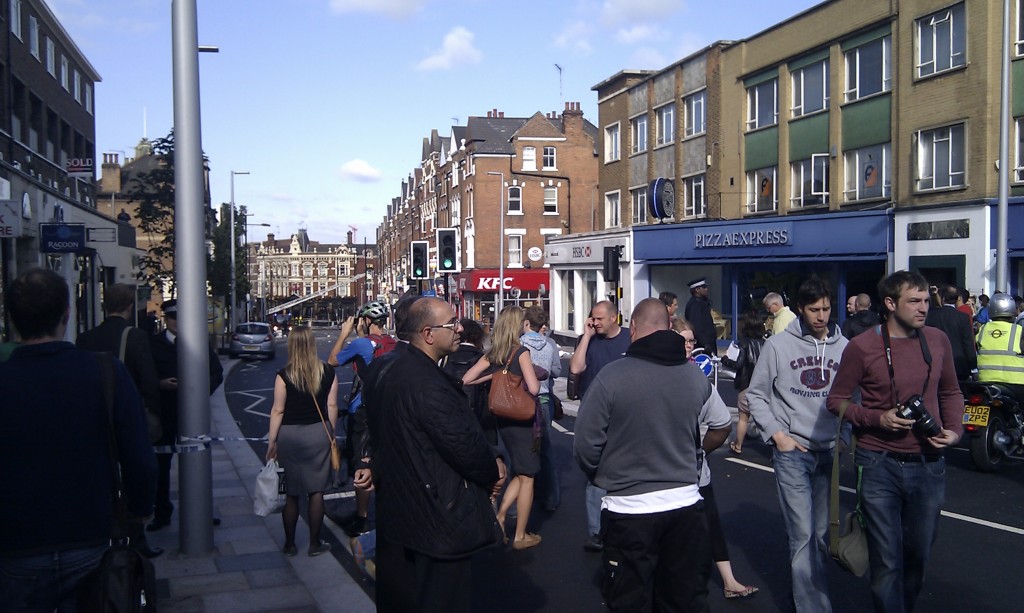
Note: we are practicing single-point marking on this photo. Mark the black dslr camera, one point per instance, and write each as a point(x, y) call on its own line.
point(924, 423)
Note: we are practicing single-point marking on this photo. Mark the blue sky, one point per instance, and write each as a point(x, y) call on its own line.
point(326, 102)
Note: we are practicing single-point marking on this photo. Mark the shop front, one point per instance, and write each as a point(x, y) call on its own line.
point(745, 259)
point(579, 279)
point(477, 290)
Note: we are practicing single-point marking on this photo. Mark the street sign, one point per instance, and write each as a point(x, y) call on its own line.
point(80, 168)
point(10, 219)
point(101, 235)
point(61, 237)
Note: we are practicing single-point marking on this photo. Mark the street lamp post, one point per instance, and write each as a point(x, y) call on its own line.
point(234, 297)
point(501, 243)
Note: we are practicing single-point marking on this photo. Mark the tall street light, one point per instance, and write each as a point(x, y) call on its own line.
point(234, 298)
point(501, 243)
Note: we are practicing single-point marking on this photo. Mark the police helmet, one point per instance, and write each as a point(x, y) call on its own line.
point(1002, 306)
point(375, 311)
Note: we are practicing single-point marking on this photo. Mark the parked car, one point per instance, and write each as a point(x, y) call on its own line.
point(252, 338)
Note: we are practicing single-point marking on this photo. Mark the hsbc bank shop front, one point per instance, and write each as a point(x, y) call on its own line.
point(477, 290)
point(745, 259)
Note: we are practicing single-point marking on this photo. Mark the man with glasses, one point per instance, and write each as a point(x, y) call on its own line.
point(433, 469)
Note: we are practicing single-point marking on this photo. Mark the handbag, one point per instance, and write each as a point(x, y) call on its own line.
point(557, 412)
point(270, 490)
point(124, 580)
point(335, 452)
point(849, 548)
point(572, 386)
point(507, 398)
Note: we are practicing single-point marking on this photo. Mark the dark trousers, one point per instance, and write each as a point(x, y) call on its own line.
point(164, 508)
point(410, 582)
point(657, 562)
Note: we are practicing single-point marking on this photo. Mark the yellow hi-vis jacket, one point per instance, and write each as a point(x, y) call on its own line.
point(999, 355)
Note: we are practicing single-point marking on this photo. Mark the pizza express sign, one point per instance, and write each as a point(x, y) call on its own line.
point(766, 235)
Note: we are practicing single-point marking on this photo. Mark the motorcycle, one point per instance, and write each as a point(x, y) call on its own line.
point(994, 421)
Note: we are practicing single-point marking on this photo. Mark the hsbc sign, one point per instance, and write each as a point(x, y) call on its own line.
point(491, 283)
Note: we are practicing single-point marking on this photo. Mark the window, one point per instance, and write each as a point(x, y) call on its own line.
point(666, 124)
point(761, 190)
point(88, 99)
point(941, 41)
point(515, 200)
point(77, 80)
point(761, 105)
point(867, 173)
point(940, 158)
point(1020, 27)
point(307, 269)
point(1018, 171)
point(551, 200)
point(529, 158)
point(695, 204)
point(810, 181)
point(639, 198)
point(638, 128)
point(810, 89)
point(33, 36)
point(64, 73)
point(549, 159)
point(515, 250)
point(612, 210)
point(868, 70)
point(51, 57)
point(694, 106)
point(16, 18)
point(611, 143)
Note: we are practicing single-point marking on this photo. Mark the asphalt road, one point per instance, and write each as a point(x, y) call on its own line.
point(975, 564)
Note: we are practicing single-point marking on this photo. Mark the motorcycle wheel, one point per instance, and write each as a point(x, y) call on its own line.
point(984, 454)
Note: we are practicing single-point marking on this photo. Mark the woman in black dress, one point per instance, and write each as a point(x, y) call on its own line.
point(521, 438)
point(301, 428)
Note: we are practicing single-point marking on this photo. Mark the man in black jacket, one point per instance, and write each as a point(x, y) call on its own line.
point(433, 470)
point(165, 355)
point(958, 328)
point(698, 313)
point(862, 320)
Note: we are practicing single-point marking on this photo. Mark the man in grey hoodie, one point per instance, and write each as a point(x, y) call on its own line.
point(786, 397)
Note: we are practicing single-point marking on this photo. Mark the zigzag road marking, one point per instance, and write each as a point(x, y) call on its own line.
point(259, 399)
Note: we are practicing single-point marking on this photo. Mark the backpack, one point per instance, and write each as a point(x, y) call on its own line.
point(382, 344)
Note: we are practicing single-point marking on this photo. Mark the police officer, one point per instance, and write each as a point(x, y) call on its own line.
point(1001, 346)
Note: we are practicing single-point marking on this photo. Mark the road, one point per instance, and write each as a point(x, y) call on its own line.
point(974, 567)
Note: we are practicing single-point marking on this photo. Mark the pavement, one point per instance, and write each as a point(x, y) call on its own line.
point(246, 570)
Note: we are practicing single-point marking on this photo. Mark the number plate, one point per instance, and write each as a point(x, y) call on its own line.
point(975, 415)
point(257, 348)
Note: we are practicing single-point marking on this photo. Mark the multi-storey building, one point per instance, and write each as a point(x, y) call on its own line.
point(311, 280)
point(851, 139)
point(47, 147)
point(540, 172)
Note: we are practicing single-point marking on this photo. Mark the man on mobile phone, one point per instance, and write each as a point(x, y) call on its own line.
point(603, 341)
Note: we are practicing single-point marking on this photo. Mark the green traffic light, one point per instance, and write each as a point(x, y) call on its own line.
point(447, 264)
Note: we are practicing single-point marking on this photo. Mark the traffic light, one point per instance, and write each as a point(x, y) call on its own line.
point(611, 264)
point(448, 250)
point(418, 255)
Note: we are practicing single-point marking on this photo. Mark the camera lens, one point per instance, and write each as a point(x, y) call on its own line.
point(926, 426)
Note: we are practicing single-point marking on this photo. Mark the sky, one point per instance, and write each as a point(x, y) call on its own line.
point(326, 102)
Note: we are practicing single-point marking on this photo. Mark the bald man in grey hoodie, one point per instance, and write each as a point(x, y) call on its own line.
point(787, 396)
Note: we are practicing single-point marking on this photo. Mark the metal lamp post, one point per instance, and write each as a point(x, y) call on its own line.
point(501, 243)
point(234, 297)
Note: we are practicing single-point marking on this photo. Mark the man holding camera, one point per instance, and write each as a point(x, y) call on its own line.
point(911, 409)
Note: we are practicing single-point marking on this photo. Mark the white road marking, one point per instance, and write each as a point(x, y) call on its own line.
point(259, 400)
point(949, 514)
point(561, 428)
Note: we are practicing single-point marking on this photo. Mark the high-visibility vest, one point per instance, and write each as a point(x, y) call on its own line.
point(999, 357)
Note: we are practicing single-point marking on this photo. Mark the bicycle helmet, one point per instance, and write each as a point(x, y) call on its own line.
point(375, 311)
point(1002, 306)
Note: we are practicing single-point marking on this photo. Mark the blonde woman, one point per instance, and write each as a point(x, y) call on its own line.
point(305, 400)
point(521, 438)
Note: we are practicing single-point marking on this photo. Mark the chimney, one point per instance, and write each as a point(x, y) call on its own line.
point(349, 243)
point(270, 238)
point(110, 174)
point(572, 120)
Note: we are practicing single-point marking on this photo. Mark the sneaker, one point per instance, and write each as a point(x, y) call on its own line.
point(594, 544)
point(359, 525)
point(530, 540)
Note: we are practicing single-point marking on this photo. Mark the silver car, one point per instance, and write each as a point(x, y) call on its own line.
point(252, 338)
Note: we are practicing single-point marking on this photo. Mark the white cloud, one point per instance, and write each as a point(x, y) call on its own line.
point(621, 12)
point(360, 171)
point(392, 8)
point(456, 50)
point(689, 42)
point(640, 34)
point(647, 58)
point(576, 37)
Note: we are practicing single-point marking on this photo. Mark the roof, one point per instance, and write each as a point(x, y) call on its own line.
point(493, 134)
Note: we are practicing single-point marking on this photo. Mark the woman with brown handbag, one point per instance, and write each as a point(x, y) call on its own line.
point(301, 435)
point(521, 438)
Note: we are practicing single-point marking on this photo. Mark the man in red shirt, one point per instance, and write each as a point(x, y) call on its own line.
point(902, 364)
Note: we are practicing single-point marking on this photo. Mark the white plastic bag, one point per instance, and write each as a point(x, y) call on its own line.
point(733, 352)
point(270, 495)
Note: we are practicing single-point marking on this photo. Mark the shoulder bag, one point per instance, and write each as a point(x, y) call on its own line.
point(335, 452)
point(507, 398)
point(849, 549)
point(124, 581)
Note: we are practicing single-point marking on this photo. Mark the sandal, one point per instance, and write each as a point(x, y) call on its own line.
point(737, 450)
point(746, 592)
point(530, 540)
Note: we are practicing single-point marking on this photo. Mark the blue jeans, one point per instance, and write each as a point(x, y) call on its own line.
point(548, 489)
point(901, 503)
point(46, 582)
point(803, 482)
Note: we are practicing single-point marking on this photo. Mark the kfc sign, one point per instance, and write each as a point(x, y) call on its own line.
point(490, 284)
